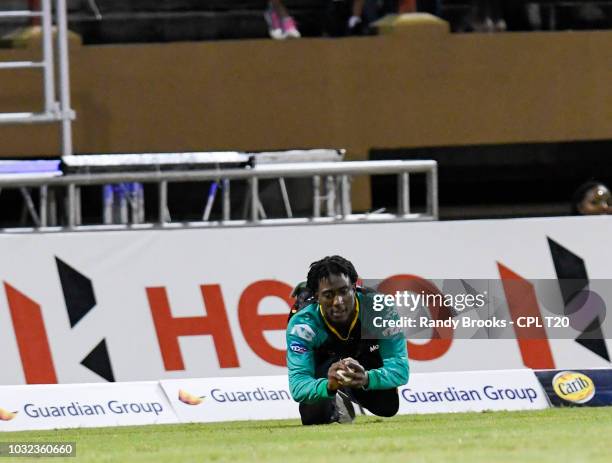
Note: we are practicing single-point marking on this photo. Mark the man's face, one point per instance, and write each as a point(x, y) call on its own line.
point(597, 200)
point(337, 298)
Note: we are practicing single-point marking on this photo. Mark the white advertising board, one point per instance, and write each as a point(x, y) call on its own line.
point(58, 406)
point(472, 391)
point(231, 399)
point(168, 304)
point(202, 400)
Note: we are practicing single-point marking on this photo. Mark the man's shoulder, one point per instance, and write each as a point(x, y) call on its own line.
point(366, 297)
point(306, 319)
point(309, 315)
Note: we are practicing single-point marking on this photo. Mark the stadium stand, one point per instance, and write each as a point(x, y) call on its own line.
point(172, 20)
point(137, 21)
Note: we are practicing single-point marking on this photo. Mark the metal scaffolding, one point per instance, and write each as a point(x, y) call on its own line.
point(331, 193)
point(56, 94)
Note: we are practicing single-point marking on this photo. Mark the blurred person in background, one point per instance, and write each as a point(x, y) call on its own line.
point(344, 17)
point(280, 24)
point(353, 17)
point(487, 16)
point(592, 198)
point(376, 9)
point(355, 24)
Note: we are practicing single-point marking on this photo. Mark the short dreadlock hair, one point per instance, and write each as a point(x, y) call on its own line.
point(330, 265)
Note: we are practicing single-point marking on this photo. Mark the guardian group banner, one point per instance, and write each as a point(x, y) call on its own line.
point(231, 399)
point(472, 391)
point(83, 405)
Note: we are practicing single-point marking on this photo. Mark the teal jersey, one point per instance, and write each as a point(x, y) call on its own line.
point(311, 343)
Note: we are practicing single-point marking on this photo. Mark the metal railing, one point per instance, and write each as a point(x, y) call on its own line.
point(331, 193)
point(55, 110)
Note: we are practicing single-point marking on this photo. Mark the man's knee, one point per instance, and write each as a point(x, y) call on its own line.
point(382, 403)
point(387, 409)
point(317, 413)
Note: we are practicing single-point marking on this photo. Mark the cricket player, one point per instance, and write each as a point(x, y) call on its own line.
point(329, 363)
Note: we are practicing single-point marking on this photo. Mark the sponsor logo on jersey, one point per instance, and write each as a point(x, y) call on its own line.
point(297, 347)
point(303, 331)
point(574, 387)
point(374, 347)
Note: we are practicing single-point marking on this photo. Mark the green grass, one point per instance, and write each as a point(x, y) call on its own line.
point(555, 435)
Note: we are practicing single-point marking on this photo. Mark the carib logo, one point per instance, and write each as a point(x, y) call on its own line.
point(574, 387)
point(5, 415)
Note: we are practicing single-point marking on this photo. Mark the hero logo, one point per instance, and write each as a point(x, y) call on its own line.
point(303, 331)
point(31, 334)
point(38, 363)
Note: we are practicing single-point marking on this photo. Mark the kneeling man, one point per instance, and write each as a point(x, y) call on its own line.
point(329, 362)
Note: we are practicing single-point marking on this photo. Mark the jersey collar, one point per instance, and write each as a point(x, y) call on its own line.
point(353, 323)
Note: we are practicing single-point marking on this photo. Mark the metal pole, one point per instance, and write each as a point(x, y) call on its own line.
point(345, 195)
point(330, 196)
point(316, 196)
point(48, 63)
point(44, 204)
point(123, 203)
point(79, 211)
point(338, 190)
point(52, 208)
point(403, 194)
point(254, 189)
point(107, 204)
point(212, 193)
point(163, 202)
point(30, 205)
point(71, 205)
point(432, 192)
point(260, 208)
point(140, 202)
point(285, 196)
point(21, 64)
point(95, 9)
point(64, 77)
point(226, 204)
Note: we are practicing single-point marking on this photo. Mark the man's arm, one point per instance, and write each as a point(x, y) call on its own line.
point(303, 385)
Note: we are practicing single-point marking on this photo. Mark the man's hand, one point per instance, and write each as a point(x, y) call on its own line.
point(352, 374)
point(333, 379)
point(356, 372)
